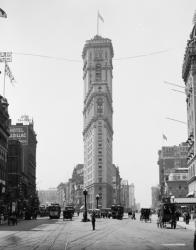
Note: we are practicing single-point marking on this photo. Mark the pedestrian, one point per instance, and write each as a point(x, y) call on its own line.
point(1, 218)
point(194, 240)
point(93, 219)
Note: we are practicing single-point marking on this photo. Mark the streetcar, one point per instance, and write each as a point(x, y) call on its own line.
point(43, 211)
point(117, 212)
point(54, 211)
point(68, 212)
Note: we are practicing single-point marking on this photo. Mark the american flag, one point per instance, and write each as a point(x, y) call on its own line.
point(164, 137)
point(2, 13)
point(100, 17)
point(9, 73)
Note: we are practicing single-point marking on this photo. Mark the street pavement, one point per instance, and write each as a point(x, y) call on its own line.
point(46, 234)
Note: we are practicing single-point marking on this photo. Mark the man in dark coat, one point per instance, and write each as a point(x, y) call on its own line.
point(93, 219)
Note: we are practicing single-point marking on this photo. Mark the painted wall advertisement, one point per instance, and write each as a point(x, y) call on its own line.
point(19, 133)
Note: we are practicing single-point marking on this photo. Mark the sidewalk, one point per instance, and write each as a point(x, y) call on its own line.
point(190, 226)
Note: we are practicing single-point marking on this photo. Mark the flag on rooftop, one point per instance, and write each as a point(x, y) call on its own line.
point(164, 137)
point(2, 13)
point(9, 73)
point(100, 17)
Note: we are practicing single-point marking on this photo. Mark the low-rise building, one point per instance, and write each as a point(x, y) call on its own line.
point(170, 158)
point(177, 184)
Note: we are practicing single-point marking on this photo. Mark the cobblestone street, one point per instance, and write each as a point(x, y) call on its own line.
point(45, 234)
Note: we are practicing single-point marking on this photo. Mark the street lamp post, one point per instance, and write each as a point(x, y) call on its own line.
point(97, 198)
point(85, 192)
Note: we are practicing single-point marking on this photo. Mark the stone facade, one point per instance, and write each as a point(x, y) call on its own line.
point(124, 196)
point(78, 184)
point(189, 77)
point(177, 184)
point(116, 182)
point(4, 134)
point(170, 158)
point(132, 197)
point(16, 188)
point(98, 113)
point(25, 134)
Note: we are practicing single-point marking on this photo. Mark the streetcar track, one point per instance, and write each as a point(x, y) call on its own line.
point(57, 230)
point(92, 237)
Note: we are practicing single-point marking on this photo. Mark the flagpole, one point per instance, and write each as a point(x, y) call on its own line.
point(97, 23)
point(4, 80)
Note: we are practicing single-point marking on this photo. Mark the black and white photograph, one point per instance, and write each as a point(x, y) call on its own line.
point(98, 125)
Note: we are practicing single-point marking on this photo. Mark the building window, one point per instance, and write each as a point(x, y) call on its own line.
point(98, 72)
point(100, 105)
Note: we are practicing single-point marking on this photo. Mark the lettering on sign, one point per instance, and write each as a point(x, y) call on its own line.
point(5, 56)
point(19, 133)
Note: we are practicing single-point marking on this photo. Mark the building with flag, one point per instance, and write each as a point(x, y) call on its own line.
point(98, 115)
point(189, 77)
point(170, 158)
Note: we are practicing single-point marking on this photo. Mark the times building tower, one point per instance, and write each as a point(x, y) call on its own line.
point(98, 128)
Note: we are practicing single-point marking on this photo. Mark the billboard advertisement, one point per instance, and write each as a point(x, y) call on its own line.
point(19, 133)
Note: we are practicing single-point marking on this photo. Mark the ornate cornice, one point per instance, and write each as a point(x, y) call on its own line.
point(97, 42)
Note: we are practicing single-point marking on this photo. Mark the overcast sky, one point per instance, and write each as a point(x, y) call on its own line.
point(149, 40)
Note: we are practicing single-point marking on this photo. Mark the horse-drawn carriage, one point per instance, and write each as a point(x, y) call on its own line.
point(167, 214)
point(145, 214)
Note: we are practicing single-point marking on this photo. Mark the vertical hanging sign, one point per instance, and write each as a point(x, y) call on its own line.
point(5, 57)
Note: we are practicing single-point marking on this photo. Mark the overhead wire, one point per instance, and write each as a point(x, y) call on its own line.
point(77, 60)
point(46, 56)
